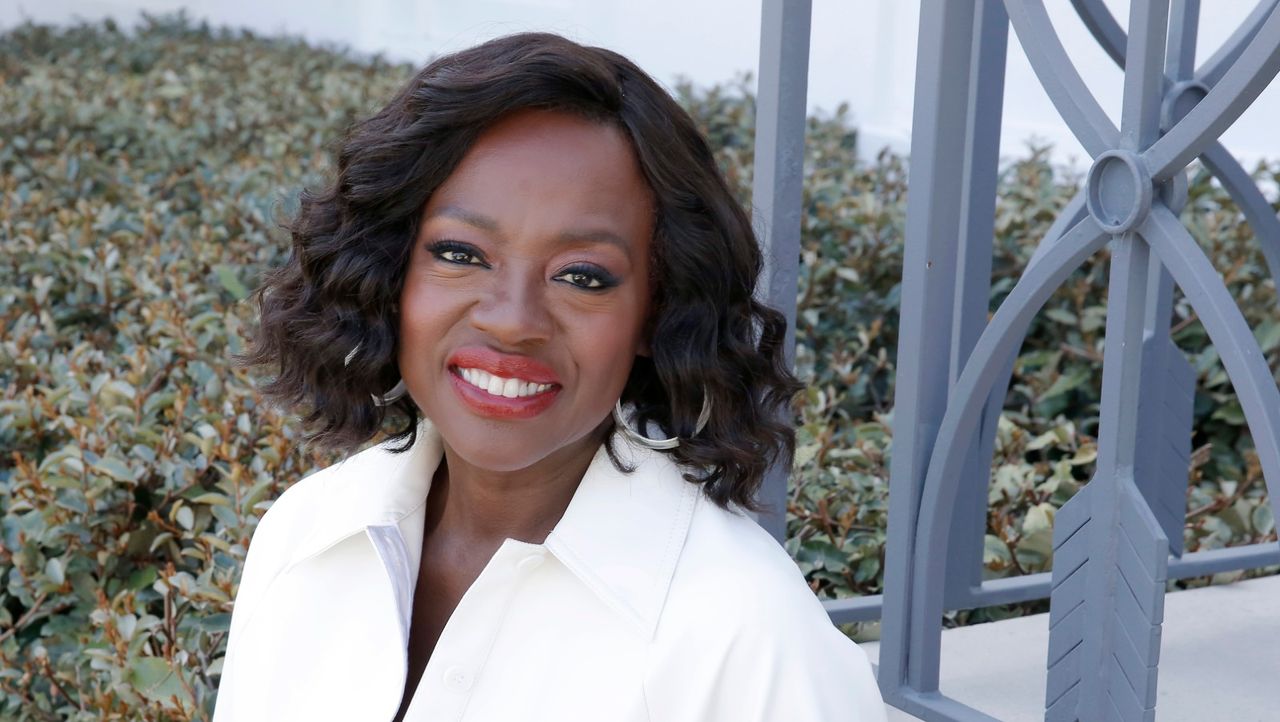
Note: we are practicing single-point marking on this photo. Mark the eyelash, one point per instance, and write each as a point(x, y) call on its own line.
point(606, 280)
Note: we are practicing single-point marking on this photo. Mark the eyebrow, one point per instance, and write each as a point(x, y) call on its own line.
point(485, 223)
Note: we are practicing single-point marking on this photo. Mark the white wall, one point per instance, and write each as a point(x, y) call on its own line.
point(863, 51)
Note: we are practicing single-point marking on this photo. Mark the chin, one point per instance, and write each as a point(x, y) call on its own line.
point(507, 449)
point(482, 446)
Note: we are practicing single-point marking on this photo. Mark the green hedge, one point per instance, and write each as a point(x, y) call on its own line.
point(142, 176)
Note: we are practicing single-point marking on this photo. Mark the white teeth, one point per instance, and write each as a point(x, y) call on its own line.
point(498, 386)
point(495, 386)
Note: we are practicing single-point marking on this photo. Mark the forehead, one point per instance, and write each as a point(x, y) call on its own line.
point(538, 163)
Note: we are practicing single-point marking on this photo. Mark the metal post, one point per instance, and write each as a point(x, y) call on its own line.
point(776, 192)
point(929, 282)
point(973, 294)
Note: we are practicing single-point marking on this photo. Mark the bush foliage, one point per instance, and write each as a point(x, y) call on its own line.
point(141, 179)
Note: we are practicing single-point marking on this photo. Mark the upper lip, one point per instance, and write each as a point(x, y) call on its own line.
point(507, 366)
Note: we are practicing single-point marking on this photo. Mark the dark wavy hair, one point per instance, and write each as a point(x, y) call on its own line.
point(351, 243)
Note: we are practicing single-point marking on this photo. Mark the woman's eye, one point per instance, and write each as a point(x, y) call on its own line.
point(586, 279)
point(452, 252)
point(457, 256)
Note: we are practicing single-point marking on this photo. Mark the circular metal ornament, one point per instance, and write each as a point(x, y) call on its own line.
point(1119, 191)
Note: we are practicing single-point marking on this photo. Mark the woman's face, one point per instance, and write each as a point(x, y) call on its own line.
point(527, 291)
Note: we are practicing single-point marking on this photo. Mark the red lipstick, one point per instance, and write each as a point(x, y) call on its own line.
point(507, 366)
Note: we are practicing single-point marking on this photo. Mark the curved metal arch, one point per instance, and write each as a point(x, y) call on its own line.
point(1211, 70)
point(998, 340)
point(1059, 78)
point(1256, 208)
point(1104, 28)
point(1227, 99)
point(1071, 214)
point(1241, 357)
point(1246, 81)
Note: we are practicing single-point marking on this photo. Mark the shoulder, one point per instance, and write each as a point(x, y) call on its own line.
point(292, 513)
point(288, 513)
point(728, 552)
point(743, 634)
point(270, 544)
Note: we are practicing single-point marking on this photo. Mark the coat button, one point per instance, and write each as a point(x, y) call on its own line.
point(529, 563)
point(457, 678)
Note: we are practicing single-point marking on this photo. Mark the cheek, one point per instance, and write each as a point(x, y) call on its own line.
point(426, 313)
point(608, 342)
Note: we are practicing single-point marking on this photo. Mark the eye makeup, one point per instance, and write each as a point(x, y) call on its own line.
point(465, 254)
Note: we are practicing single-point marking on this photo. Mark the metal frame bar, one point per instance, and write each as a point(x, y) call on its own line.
point(944, 74)
point(781, 103)
point(1012, 590)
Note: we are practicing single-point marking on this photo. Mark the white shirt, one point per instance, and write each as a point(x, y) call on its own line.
point(646, 602)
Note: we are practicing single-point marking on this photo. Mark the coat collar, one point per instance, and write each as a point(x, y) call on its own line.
point(621, 534)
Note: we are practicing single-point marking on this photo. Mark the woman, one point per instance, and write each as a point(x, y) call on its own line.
point(532, 247)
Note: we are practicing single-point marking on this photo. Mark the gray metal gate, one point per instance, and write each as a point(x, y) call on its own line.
point(1114, 539)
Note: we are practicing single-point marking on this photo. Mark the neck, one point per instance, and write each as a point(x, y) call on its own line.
point(485, 507)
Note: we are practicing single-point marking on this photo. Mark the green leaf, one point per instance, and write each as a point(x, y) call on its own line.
point(157, 680)
point(214, 623)
point(114, 468)
point(1068, 381)
point(53, 570)
point(1263, 518)
point(141, 578)
point(867, 569)
point(821, 554)
point(120, 388)
point(1039, 518)
point(1268, 335)
point(1230, 412)
point(211, 497)
point(994, 551)
point(227, 277)
point(186, 517)
point(1061, 315)
point(1046, 439)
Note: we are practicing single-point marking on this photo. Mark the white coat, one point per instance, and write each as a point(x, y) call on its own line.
point(646, 602)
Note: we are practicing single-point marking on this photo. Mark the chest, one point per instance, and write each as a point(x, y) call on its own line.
point(525, 640)
point(442, 581)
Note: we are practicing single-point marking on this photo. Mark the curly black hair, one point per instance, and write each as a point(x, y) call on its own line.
point(352, 239)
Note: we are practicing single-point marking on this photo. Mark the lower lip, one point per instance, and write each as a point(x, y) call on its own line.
point(501, 407)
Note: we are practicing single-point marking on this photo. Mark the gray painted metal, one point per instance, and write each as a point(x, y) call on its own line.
point(983, 111)
point(781, 101)
point(944, 74)
point(1110, 558)
point(1012, 590)
point(1113, 541)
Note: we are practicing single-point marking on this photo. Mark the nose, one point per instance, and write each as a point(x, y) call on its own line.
point(514, 309)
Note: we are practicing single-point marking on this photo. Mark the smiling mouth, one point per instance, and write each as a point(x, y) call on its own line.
point(498, 386)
